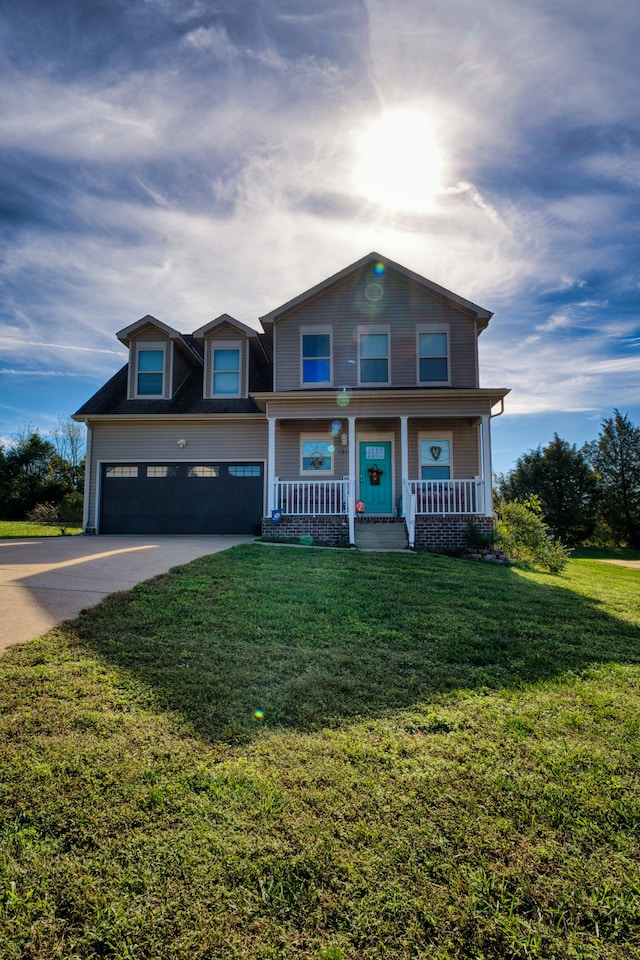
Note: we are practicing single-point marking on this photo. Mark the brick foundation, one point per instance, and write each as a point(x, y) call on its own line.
point(332, 529)
point(438, 533)
point(431, 532)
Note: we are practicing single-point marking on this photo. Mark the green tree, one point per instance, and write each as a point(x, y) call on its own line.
point(27, 477)
point(561, 478)
point(616, 460)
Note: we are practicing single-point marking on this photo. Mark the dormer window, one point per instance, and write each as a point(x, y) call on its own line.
point(226, 371)
point(150, 366)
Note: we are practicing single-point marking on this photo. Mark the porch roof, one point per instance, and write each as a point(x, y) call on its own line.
point(407, 402)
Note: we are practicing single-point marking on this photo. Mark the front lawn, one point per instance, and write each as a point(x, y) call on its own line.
point(22, 528)
point(277, 754)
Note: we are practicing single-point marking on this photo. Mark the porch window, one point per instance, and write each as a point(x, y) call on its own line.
point(316, 357)
point(226, 371)
point(435, 459)
point(316, 456)
point(373, 359)
point(150, 372)
point(433, 355)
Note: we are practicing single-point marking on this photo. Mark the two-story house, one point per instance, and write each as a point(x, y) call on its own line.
point(357, 402)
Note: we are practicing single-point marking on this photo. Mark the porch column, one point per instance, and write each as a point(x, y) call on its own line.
point(487, 472)
point(351, 499)
point(404, 457)
point(271, 466)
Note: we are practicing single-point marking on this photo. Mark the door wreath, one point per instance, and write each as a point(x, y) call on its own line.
point(374, 475)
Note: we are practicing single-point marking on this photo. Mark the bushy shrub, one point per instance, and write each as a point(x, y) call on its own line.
point(478, 538)
point(67, 513)
point(522, 535)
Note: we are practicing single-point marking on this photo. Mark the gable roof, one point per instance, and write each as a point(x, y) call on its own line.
point(219, 321)
point(374, 259)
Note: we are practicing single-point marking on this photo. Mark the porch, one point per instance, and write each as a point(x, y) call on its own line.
point(328, 510)
point(423, 470)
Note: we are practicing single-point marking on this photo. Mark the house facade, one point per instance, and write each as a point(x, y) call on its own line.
point(356, 403)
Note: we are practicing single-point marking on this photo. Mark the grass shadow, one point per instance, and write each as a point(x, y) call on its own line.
point(313, 638)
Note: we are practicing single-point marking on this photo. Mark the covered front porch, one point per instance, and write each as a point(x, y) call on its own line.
point(424, 472)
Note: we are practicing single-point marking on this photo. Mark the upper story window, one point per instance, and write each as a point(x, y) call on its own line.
point(316, 356)
point(373, 357)
point(433, 355)
point(150, 371)
point(226, 370)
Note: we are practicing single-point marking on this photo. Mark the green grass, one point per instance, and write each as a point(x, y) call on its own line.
point(22, 528)
point(279, 754)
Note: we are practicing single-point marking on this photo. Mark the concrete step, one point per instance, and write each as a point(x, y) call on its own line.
point(381, 536)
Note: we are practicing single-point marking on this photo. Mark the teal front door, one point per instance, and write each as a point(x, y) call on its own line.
point(375, 488)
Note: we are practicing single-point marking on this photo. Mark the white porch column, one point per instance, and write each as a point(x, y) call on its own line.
point(351, 499)
point(404, 449)
point(271, 466)
point(487, 471)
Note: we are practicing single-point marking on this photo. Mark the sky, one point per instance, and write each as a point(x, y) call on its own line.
point(188, 158)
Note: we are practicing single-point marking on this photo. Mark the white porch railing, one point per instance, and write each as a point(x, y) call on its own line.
point(409, 510)
point(447, 496)
point(313, 497)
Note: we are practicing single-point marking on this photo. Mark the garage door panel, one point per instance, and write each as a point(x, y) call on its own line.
point(181, 498)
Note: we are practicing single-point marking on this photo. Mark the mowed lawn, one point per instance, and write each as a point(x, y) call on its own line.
point(278, 753)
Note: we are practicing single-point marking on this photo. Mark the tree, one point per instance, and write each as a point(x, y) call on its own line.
point(27, 476)
point(561, 477)
point(616, 460)
point(68, 438)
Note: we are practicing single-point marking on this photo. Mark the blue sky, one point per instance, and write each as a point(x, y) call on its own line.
point(186, 159)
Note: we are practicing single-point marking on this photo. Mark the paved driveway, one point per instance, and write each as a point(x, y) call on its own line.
point(49, 579)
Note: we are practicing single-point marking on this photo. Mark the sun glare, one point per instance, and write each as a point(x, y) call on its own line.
point(399, 162)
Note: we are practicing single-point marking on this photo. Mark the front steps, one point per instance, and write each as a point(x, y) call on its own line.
point(385, 535)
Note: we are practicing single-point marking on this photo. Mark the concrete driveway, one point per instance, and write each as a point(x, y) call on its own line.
point(49, 579)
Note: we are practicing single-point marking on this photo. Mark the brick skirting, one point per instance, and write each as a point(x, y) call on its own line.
point(431, 532)
point(332, 529)
point(450, 532)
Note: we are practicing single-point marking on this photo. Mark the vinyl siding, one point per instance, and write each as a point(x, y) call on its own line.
point(403, 306)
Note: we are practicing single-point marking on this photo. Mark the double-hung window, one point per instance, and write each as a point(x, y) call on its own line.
point(315, 348)
point(225, 366)
point(316, 455)
point(433, 355)
point(373, 357)
point(150, 371)
point(435, 458)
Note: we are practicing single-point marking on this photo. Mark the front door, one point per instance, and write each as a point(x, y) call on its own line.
point(375, 476)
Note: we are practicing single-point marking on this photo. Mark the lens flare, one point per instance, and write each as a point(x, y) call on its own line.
point(258, 714)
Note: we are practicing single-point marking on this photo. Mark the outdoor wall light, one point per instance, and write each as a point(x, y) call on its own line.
point(182, 444)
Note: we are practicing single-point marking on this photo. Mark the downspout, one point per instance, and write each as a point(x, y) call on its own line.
point(88, 466)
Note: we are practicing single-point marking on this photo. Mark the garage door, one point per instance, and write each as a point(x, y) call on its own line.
point(181, 497)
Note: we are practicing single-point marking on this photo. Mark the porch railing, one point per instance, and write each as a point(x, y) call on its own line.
point(312, 497)
point(447, 496)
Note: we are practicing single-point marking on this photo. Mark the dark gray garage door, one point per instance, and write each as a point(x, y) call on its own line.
point(181, 498)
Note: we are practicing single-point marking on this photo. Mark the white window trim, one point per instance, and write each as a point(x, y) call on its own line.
point(433, 328)
point(317, 438)
point(224, 345)
point(312, 329)
point(386, 329)
point(166, 376)
point(436, 435)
